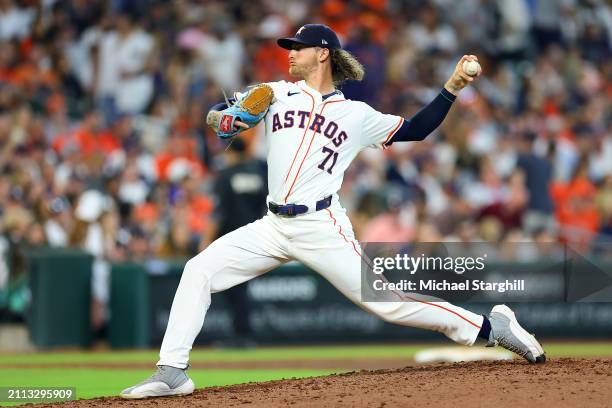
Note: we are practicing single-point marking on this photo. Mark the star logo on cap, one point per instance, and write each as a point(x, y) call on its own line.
point(300, 30)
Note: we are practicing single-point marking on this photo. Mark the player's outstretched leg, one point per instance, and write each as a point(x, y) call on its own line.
point(232, 259)
point(339, 259)
point(505, 331)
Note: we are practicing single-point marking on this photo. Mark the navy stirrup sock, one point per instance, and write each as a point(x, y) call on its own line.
point(485, 330)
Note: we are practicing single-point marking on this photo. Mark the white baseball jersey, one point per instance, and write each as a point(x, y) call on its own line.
point(311, 141)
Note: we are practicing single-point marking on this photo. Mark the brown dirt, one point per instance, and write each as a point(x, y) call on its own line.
point(564, 382)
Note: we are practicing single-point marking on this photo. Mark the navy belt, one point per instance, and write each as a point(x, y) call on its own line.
point(291, 210)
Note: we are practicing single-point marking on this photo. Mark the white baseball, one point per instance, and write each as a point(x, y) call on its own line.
point(471, 67)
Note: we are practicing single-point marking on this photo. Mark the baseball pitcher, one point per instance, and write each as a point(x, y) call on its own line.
point(313, 133)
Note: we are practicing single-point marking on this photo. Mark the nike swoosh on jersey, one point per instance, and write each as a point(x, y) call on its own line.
point(292, 93)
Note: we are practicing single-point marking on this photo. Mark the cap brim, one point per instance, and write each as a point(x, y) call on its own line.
point(286, 43)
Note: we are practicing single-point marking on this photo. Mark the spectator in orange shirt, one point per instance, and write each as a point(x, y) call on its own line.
point(199, 204)
point(181, 150)
point(575, 206)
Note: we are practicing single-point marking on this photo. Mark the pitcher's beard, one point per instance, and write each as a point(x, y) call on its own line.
point(301, 71)
point(295, 71)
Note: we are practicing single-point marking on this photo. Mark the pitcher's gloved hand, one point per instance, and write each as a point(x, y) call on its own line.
point(245, 113)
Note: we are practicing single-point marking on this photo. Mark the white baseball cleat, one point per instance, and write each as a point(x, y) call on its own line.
point(167, 381)
point(508, 333)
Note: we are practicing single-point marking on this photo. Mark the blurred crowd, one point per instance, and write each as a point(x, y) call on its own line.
point(103, 144)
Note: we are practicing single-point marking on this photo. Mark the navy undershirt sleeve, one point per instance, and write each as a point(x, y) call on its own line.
point(426, 120)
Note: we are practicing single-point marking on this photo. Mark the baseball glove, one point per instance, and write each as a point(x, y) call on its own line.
point(250, 108)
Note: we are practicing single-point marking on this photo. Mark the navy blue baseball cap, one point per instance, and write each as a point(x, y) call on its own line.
point(313, 35)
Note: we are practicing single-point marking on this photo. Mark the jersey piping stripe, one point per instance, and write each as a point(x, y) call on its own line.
point(402, 296)
point(401, 122)
point(344, 236)
point(363, 258)
point(445, 308)
point(314, 132)
point(303, 136)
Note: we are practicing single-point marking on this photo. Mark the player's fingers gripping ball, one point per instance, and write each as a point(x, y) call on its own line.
point(471, 67)
point(249, 109)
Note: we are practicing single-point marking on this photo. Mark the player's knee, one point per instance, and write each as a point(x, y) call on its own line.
point(201, 266)
point(193, 268)
point(190, 266)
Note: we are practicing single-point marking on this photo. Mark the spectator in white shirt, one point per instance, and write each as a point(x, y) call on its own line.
point(123, 73)
point(223, 54)
point(14, 22)
point(134, 57)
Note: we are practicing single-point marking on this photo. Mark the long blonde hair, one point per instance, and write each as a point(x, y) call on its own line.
point(345, 67)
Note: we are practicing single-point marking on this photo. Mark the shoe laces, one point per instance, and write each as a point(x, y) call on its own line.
point(508, 345)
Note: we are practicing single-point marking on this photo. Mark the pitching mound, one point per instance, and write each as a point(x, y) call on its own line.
point(568, 382)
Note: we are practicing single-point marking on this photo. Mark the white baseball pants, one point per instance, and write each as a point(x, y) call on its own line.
point(322, 241)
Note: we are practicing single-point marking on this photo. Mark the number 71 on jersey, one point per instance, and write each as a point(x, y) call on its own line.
point(330, 153)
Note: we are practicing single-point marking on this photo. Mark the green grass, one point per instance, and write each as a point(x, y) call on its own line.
point(96, 382)
point(258, 354)
point(578, 349)
point(554, 349)
point(92, 383)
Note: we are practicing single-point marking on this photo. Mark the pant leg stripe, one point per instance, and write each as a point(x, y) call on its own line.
point(402, 295)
